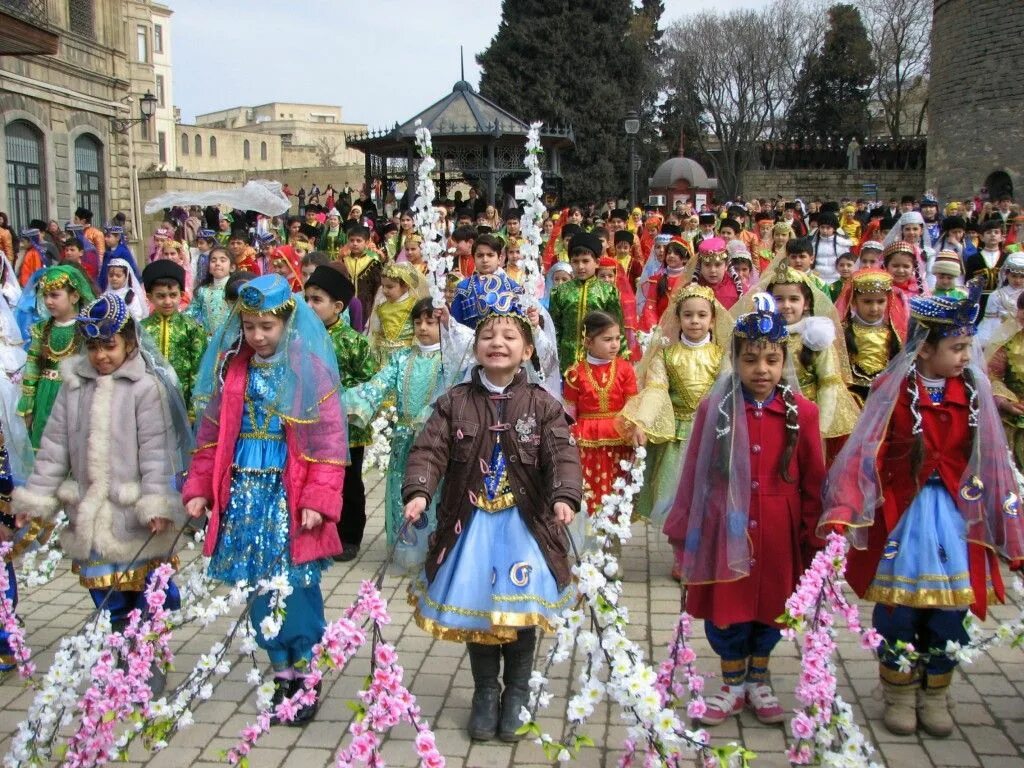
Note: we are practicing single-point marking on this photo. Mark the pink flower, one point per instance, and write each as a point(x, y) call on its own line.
point(799, 755)
point(433, 760)
point(871, 639)
point(385, 655)
point(696, 708)
point(802, 727)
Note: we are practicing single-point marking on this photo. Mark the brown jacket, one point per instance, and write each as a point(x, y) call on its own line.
point(542, 460)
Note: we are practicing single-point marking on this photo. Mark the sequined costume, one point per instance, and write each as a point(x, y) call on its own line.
point(365, 272)
point(1006, 372)
point(50, 344)
point(677, 381)
point(391, 328)
point(569, 304)
point(410, 378)
point(598, 389)
point(209, 308)
point(182, 341)
point(466, 306)
point(871, 355)
point(821, 383)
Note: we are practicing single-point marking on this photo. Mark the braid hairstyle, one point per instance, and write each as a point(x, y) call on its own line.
point(792, 430)
point(44, 354)
point(916, 430)
point(721, 458)
point(229, 355)
point(917, 275)
point(734, 276)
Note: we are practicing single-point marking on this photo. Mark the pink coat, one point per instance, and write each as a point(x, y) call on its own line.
point(308, 484)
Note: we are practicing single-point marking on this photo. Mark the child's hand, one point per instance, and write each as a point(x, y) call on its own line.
point(159, 524)
point(639, 438)
point(311, 519)
point(443, 316)
point(20, 519)
point(563, 513)
point(414, 508)
point(533, 315)
point(196, 507)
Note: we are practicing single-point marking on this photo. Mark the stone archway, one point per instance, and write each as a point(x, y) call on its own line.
point(998, 183)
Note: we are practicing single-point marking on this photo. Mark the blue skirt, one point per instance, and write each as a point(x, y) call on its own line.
point(494, 582)
point(924, 563)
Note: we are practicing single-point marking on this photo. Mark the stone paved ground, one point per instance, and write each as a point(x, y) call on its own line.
point(990, 707)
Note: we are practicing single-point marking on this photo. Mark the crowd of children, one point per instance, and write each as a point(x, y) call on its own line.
point(758, 363)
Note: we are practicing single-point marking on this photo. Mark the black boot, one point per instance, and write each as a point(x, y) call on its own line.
point(308, 712)
point(518, 667)
point(282, 685)
point(485, 661)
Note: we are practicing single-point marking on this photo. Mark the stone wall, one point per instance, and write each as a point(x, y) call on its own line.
point(974, 119)
point(831, 185)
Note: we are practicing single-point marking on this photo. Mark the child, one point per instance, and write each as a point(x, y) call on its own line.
point(208, 307)
point(244, 255)
point(741, 263)
point(826, 245)
point(511, 260)
point(595, 390)
point(713, 271)
point(573, 300)
point(413, 253)
point(82, 250)
point(205, 241)
point(270, 466)
point(870, 256)
point(179, 338)
point(677, 370)
point(364, 268)
point(328, 292)
point(174, 251)
point(663, 284)
point(462, 241)
point(65, 290)
point(946, 274)
point(1002, 303)
point(122, 282)
point(30, 255)
point(112, 450)
point(800, 255)
point(311, 261)
point(987, 262)
point(874, 318)
point(390, 328)
point(930, 509)
point(608, 269)
point(743, 519)
point(900, 259)
point(846, 265)
point(498, 562)
point(116, 248)
point(486, 256)
point(1005, 356)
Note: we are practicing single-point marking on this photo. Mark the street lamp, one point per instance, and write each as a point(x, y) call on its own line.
point(147, 105)
point(632, 128)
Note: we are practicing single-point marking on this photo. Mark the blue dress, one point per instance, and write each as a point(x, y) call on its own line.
point(924, 563)
point(254, 540)
point(495, 581)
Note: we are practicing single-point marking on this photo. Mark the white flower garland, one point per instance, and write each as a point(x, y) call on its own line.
point(378, 452)
point(533, 215)
point(39, 564)
point(426, 216)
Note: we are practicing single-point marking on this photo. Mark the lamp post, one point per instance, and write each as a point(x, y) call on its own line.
point(632, 128)
point(123, 125)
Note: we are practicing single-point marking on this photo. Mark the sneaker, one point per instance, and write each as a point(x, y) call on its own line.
point(765, 703)
point(348, 552)
point(721, 706)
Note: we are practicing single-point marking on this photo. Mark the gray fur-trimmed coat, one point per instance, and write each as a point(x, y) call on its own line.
point(105, 457)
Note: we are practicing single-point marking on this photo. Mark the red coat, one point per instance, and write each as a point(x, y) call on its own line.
point(947, 444)
point(780, 521)
point(307, 484)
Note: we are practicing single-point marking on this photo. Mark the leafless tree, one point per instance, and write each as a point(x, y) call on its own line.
point(900, 31)
point(326, 149)
point(738, 70)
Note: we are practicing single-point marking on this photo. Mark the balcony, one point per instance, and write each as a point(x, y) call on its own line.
point(25, 29)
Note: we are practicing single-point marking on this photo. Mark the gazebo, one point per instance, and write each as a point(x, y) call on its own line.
point(474, 141)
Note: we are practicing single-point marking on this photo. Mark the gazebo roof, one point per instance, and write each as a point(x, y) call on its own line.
point(462, 114)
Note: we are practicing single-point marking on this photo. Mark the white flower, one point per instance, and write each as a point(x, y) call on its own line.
point(254, 677)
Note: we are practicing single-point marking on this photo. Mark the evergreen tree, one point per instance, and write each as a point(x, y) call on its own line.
point(832, 92)
point(571, 62)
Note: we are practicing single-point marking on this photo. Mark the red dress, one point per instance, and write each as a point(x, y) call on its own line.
point(947, 444)
point(780, 522)
point(599, 392)
point(656, 302)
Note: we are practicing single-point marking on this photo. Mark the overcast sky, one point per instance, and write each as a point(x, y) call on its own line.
point(380, 60)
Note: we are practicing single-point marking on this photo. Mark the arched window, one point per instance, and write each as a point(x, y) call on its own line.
point(245, 150)
point(213, 146)
point(89, 175)
point(199, 145)
point(263, 150)
point(184, 143)
point(25, 173)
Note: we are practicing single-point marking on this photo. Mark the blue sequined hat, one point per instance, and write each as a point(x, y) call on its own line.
point(497, 297)
point(103, 318)
point(206, 234)
point(266, 295)
point(764, 323)
point(265, 238)
point(950, 316)
point(113, 230)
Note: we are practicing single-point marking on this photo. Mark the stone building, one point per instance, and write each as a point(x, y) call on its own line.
point(68, 69)
point(975, 130)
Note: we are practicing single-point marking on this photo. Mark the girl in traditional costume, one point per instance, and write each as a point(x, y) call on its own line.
point(595, 390)
point(270, 465)
point(901, 260)
point(391, 325)
point(662, 285)
point(498, 562)
point(926, 492)
point(742, 521)
point(711, 268)
point(209, 307)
